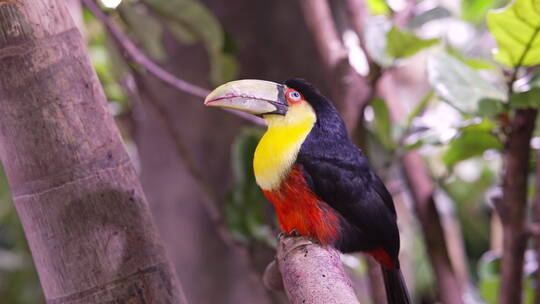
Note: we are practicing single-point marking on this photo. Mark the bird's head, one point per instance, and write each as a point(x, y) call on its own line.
point(276, 103)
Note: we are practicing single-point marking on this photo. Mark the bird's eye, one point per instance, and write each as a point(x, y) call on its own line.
point(293, 95)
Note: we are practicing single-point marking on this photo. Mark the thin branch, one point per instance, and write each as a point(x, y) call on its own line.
point(133, 53)
point(516, 162)
point(421, 186)
point(210, 198)
point(430, 220)
point(401, 18)
point(534, 228)
point(350, 91)
point(515, 187)
point(319, 19)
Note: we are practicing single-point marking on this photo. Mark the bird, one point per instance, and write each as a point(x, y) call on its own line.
point(319, 182)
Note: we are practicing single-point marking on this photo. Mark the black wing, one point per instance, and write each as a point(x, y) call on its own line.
point(339, 174)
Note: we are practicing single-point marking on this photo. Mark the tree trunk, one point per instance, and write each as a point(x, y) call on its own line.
point(77, 194)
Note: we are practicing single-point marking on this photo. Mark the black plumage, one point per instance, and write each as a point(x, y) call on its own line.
point(339, 174)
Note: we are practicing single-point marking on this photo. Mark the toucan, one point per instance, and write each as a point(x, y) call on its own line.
point(320, 184)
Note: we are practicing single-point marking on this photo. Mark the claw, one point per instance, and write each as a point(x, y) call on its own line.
point(294, 232)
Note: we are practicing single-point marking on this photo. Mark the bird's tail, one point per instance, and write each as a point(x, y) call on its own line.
point(396, 290)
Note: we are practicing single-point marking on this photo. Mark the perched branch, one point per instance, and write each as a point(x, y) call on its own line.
point(516, 161)
point(311, 273)
point(129, 50)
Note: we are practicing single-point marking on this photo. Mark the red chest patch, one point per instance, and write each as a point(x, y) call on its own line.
point(298, 208)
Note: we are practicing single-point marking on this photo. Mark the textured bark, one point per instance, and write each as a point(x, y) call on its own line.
point(313, 274)
point(76, 192)
point(421, 188)
point(514, 204)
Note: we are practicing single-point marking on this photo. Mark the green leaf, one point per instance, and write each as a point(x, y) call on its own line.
point(458, 84)
point(516, 29)
point(528, 99)
point(402, 44)
point(225, 68)
point(486, 125)
point(473, 62)
point(377, 7)
point(244, 206)
point(148, 31)
point(475, 10)
point(419, 108)
point(489, 289)
point(471, 142)
point(382, 124)
point(489, 107)
point(190, 21)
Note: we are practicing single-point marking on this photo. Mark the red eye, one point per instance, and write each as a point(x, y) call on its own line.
point(293, 96)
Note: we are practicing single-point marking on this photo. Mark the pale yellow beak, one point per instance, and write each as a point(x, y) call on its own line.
point(257, 97)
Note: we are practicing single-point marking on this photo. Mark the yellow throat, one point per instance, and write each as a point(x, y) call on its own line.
point(279, 146)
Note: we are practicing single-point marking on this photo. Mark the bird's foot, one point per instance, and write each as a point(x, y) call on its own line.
point(292, 233)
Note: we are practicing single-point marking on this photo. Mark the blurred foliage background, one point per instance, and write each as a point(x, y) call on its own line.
point(455, 97)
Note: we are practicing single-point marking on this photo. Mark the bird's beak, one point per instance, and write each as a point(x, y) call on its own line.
point(258, 97)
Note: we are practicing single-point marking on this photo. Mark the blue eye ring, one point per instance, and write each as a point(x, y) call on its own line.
point(295, 95)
